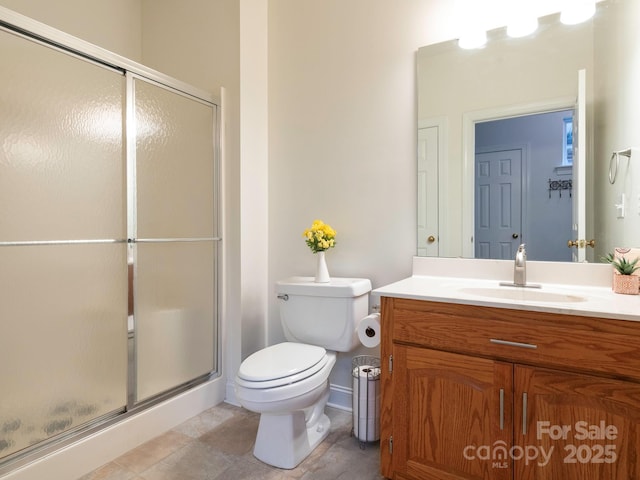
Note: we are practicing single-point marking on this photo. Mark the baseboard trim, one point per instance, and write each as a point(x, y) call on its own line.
point(230, 396)
point(340, 397)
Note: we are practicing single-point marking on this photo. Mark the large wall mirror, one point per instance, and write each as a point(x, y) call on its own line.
point(515, 141)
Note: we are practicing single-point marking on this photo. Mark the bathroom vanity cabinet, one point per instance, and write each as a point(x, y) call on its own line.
point(478, 392)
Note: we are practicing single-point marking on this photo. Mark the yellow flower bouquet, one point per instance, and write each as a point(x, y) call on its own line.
point(320, 236)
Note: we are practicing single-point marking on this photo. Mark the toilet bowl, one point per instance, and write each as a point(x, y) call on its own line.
point(288, 383)
point(291, 406)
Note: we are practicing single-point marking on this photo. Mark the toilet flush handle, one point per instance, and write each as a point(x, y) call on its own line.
point(284, 297)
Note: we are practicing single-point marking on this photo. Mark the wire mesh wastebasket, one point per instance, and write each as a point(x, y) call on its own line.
point(366, 398)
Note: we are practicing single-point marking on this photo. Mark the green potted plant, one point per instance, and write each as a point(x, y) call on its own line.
point(624, 281)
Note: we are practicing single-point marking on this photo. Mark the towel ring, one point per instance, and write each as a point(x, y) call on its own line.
point(613, 172)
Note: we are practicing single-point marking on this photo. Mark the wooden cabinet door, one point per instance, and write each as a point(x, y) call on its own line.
point(447, 417)
point(578, 426)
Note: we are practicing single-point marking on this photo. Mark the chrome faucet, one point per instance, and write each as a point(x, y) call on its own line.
point(520, 267)
point(520, 271)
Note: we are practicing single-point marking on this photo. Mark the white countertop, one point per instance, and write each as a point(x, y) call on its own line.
point(587, 300)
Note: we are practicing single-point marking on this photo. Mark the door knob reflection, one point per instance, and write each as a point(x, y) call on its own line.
point(581, 243)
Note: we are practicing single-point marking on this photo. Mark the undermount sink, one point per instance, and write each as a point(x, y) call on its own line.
point(523, 294)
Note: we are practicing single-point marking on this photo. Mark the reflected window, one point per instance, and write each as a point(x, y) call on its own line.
point(567, 141)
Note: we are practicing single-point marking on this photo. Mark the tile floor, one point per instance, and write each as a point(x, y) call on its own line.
point(218, 445)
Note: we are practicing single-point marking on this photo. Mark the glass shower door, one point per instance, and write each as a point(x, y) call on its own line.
point(174, 238)
point(63, 337)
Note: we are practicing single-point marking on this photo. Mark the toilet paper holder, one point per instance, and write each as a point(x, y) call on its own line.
point(366, 398)
point(368, 330)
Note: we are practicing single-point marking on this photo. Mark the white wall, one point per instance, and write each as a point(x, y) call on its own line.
point(254, 161)
point(342, 137)
point(114, 25)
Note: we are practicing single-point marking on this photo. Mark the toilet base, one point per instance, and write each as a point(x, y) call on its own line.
point(285, 440)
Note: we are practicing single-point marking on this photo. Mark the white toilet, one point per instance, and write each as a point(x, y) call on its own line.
point(288, 383)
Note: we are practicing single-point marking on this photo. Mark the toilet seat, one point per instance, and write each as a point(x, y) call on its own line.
point(288, 396)
point(281, 364)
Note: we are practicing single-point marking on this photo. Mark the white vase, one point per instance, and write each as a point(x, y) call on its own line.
point(322, 273)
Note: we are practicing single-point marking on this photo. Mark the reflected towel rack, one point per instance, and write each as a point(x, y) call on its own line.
point(560, 185)
point(614, 161)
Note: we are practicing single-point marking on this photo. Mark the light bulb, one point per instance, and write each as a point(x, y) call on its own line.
point(577, 11)
point(522, 26)
point(473, 38)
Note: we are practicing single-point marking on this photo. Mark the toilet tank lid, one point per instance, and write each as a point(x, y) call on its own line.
point(337, 287)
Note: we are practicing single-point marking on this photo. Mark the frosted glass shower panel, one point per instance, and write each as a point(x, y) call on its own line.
point(108, 238)
point(174, 163)
point(61, 147)
point(175, 314)
point(64, 339)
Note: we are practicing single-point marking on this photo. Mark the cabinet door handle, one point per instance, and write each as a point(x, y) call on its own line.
point(524, 413)
point(512, 344)
point(502, 409)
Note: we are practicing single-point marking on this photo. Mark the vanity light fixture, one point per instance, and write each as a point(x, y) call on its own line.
point(577, 11)
point(523, 20)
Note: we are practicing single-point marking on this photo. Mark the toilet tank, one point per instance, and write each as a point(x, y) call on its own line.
point(323, 314)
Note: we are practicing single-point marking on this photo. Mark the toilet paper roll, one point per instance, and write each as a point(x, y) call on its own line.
point(366, 402)
point(369, 330)
point(366, 431)
point(366, 389)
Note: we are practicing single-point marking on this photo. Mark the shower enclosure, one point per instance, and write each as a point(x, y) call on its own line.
point(108, 239)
